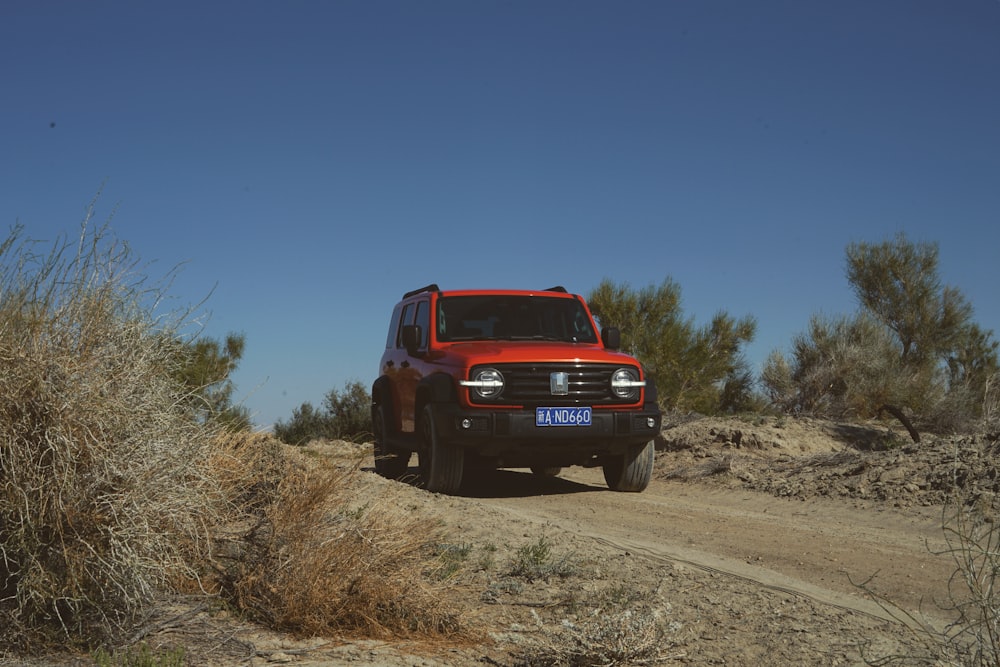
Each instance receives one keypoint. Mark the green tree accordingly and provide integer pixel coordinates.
(695, 368)
(204, 368)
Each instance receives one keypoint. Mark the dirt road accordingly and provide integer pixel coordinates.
(821, 549)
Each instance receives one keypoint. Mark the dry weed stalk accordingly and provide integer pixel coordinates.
(973, 541)
(101, 495)
(972, 638)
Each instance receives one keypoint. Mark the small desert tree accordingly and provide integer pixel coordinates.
(898, 283)
(695, 368)
(912, 348)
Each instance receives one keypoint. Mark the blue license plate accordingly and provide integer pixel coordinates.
(563, 416)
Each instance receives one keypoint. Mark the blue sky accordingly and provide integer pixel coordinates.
(308, 162)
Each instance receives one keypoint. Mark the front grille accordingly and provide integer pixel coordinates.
(529, 385)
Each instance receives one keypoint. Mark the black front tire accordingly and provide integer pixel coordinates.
(389, 462)
(441, 464)
(632, 470)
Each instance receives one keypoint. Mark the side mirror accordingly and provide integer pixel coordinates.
(411, 339)
(611, 337)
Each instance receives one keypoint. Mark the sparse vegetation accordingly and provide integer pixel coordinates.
(452, 557)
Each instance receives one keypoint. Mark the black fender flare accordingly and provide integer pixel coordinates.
(650, 394)
(436, 388)
(382, 397)
(380, 392)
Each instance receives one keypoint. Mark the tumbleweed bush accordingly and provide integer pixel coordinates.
(102, 496)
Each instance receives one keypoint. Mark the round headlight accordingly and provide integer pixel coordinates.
(486, 383)
(625, 383)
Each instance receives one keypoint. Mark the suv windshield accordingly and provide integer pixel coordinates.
(521, 317)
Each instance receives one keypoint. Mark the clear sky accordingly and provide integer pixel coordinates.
(312, 161)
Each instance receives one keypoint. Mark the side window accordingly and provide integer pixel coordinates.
(393, 335)
(405, 318)
(423, 320)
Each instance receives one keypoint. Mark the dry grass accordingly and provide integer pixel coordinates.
(112, 492)
(100, 502)
(310, 563)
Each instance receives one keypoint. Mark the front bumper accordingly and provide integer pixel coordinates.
(512, 434)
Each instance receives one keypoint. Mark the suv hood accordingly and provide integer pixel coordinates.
(500, 352)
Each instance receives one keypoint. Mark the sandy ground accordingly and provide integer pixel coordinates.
(750, 547)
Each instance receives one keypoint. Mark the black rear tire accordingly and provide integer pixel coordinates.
(632, 470)
(441, 463)
(389, 462)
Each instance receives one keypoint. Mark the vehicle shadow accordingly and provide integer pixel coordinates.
(507, 483)
(520, 483)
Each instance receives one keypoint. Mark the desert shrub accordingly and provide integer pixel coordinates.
(102, 499)
(537, 561)
(840, 367)
(307, 562)
(345, 415)
(616, 636)
(305, 425)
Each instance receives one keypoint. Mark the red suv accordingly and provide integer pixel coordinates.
(509, 379)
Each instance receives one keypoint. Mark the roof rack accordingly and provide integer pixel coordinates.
(557, 288)
(426, 288)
